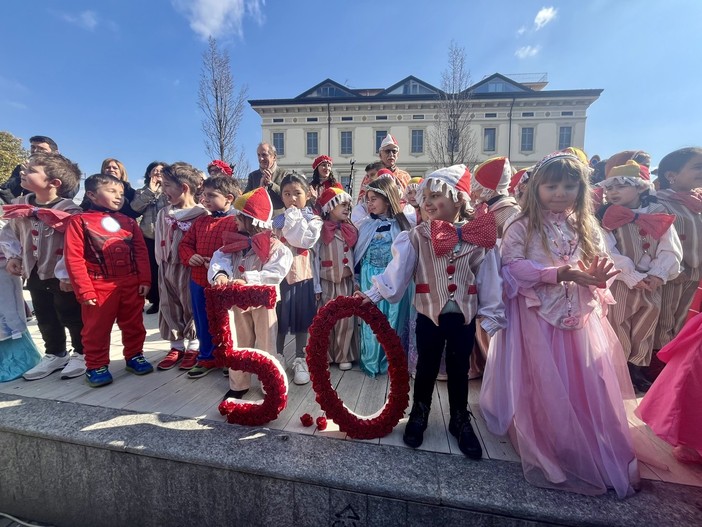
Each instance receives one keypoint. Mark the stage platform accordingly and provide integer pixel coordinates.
(154, 450)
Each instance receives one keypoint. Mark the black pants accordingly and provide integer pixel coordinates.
(153, 296)
(56, 311)
(458, 339)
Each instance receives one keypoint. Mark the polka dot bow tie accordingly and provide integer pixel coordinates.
(482, 231)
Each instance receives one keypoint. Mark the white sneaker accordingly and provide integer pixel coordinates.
(48, 365)
(301, 373)
(75, 367)
(344, 366)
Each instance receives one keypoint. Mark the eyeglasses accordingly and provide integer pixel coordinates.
(390, 152)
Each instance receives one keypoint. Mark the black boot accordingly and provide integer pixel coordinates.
(461, 429)
(638, 379)
(235, 394)
(416, 425)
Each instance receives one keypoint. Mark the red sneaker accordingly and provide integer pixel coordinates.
(189, 360)
(174, 357)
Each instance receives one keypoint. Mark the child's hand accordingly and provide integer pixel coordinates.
(14, 266)
(238, 281)
(366, 300)
(144, 290)
(600, 269)
(221, 279)
(207, 262)
(196, 260)
(642, 285)
(653, 282)
(91, 302)
(65, 286)
(318, 297)
(567, 274)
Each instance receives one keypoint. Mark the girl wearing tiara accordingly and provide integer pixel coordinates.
(376, 232)
(456, 271)
(555, 377)
(333, 265)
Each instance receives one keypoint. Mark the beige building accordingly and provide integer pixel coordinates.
(521, 120)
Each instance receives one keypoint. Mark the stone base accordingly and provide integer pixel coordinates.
(73, 465)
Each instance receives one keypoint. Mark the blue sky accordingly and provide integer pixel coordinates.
(118, 78)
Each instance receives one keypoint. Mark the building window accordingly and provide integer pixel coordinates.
(489, 135)
(381, 117)
(567, 114)
(527, 144)
(346, 118)
(312, 119)
(279, 143)
(346, 143)
(417, 142)
(527, 114)
(565, 137)
(312, 143)
(418, 116)
(453, 140)
(279, 120)
(490, 115)
(379, 136)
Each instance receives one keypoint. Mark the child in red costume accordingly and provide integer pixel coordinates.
(108, 266)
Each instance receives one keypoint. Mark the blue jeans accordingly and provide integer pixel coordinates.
(197, 295)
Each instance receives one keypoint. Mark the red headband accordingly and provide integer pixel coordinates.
(224, 167)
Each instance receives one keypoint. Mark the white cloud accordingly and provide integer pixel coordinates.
(16, 105)
(521, 31)
(527, 51)
(544, 16)
(87, 19)
(219, 17)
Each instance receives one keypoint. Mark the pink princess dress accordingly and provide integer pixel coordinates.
(555, 378)
(673, 405)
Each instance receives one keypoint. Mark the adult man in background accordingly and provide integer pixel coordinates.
(268, 175)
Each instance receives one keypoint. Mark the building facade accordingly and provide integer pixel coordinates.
(522, 121)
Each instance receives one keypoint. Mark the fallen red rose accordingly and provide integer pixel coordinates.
(306, 420)
(321, 423)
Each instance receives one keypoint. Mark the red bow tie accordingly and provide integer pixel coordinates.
(481, 231)
(654, 224)
(692, 201)
(56, 219)
(348, 231)
(260, 243)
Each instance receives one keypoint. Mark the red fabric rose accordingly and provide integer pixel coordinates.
(306, 420)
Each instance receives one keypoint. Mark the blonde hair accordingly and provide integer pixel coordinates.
(386, 188)
(120, 166)
(584, 222)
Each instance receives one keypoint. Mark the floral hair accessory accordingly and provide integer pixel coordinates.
(224, 167)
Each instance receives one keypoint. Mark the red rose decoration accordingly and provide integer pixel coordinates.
(306, 420)
(321, 422)
(356, 426)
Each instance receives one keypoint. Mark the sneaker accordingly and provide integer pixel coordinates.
(138, 365)
(153, 309)
(75, 366)
(174, 357)
(189, 360)
(301, 374)
(199, 370)
(416, 425)
(461, 429)
(48, 365)
(98, 377)
(225, 372)
(345, 366)
(235, 394)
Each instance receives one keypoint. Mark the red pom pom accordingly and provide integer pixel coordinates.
(321, 422)
(306, 420)
(452, 287)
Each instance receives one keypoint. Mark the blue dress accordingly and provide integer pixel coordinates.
(374, 261)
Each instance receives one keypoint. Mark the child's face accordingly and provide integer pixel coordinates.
(559, 197)
(438, 206)
(108, 196)
(173, 191)
(377, 204)
(689, 177)
(34, 179)
(411, 196)
(341, 212)
(294, 195)
(241, 223)
(324, 169)
(215, 201)
(372, 175)
(625, 195)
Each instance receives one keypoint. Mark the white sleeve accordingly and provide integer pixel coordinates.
(489, 283)
(9, 243)
(298, 231)
(358, 212)
(393, 282)
(274, 270)
(666, 264)
(629, 275)
(316, 269)
(60, 270)
(220, 263)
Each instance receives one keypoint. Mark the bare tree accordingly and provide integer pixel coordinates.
(222, 106)
(452, 141)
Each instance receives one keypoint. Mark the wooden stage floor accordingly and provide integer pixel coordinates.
(172, 393)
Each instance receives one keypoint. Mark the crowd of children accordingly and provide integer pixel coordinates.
(558, 294)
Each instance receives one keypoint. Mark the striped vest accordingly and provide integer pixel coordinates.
(689, 227)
